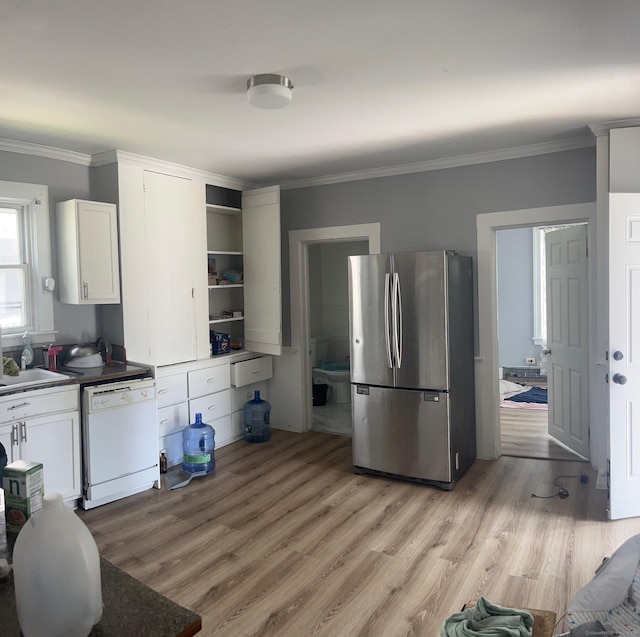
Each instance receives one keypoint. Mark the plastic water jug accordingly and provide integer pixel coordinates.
(256, 415)
(198, 444)
(56, 573)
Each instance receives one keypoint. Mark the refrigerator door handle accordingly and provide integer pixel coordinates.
(398, 319)
(387, 293)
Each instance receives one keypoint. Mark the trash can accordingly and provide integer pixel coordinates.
(320, 394)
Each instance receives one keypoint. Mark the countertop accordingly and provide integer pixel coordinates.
(130, 607)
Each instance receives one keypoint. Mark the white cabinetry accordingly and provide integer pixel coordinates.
(216, 388)
(44, 426)
(162, 239)
(87, 252)
(246, 240)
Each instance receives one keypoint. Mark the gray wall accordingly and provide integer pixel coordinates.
(515, 296)
(437, 209)
(65, 180)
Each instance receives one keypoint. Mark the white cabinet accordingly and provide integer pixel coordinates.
(44, 426)
(87, 252)
(244, 244)
(162, 240)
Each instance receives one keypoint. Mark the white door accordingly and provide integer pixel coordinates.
(262, 279)
(567, 337)
(624, 355)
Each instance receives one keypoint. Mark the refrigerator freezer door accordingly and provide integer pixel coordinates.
(424, 356)
(370, 319)
(402, 432)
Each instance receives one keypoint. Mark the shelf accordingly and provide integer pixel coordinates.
(223, 210)
(225, 320)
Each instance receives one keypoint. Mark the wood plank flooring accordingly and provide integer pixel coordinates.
(284, 539)
(524, 433)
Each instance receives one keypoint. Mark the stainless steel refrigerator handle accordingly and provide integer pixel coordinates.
(386, 317)
(398, 315)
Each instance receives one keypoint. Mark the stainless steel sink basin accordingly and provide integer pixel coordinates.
(29, 378)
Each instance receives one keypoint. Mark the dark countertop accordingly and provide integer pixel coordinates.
(130, 607)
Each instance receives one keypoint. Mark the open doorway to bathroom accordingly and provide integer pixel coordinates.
(329, 330)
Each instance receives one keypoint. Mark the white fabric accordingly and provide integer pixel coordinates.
(508, 389)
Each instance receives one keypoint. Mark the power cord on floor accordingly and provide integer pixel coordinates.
(562, 492)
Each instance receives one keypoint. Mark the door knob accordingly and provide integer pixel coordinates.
(618, 356)
(546, 351)
(620, 379)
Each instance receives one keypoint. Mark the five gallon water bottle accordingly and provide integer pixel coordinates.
(256, 419)
(198, 444)
(56, 569)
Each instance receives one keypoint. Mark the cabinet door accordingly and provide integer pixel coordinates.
(88, 252)
(176, 278)
(55, 442)
(9, 440)
(262, 278)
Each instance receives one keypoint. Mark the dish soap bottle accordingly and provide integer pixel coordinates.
(27, 350)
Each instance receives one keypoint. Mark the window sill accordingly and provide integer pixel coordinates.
(10, 341)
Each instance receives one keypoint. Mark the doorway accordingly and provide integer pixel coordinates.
(300, 242)
(329, 329)
(487, 378)
(525, 409)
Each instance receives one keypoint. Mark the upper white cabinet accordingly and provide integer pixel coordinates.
(87, 252)
(243, 254)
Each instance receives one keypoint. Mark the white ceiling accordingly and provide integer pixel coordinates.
(378, 83)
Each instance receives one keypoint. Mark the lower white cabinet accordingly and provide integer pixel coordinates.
(44, 426)
(215, 388)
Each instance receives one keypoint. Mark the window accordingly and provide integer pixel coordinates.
(25, 262)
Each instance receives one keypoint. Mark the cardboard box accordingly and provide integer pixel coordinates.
(220, 343)
(23, 484)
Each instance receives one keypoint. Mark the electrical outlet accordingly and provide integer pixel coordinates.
(530, 361)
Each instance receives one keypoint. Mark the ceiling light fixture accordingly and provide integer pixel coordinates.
(269, 90)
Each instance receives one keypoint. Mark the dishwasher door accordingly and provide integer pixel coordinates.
(120, 440)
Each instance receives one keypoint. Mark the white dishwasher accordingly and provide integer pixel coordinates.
(119, 440)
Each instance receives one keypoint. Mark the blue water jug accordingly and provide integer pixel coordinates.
(198, 444)
(256, 414)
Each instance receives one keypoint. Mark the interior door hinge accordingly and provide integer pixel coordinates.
(606, 378)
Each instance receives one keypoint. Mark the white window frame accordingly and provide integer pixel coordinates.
(34, 199)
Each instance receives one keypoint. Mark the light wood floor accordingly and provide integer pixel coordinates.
(524, 433)
(284, 539)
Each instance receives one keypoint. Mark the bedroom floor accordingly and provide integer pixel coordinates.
(524, 435)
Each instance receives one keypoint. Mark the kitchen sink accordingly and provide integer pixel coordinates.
(29, 378)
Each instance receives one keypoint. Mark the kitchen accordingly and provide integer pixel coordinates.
(431, 205)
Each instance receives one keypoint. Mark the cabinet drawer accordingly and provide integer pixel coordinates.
(39, 402)
(209, 380)
(211, 407)
(173, 418)
(240, 395)
(171, 389)
(251, 371)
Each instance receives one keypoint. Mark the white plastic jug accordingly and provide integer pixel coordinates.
(57, 573)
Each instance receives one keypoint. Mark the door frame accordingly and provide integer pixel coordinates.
(487, 387)
(299, 241)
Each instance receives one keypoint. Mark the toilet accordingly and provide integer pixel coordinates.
(335, 374)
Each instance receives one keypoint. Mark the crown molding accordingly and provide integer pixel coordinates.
(516, 152)
(603, 128)
(178, 170)
(49, 152)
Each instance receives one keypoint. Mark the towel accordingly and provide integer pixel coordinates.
(486, 619)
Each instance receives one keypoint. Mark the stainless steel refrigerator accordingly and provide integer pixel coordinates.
(412, 365)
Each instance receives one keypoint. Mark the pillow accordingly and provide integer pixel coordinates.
(508, 389)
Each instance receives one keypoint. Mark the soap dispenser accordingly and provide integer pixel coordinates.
(26, 358)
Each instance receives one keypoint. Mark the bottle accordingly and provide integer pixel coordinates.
(56, 569)
(256, 414)
(198, 445)
(163, 462)
(27, 350)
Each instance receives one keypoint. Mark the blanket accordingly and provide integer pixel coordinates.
(534, 395)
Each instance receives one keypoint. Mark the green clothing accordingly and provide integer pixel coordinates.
(486, 619)
(9, 366)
